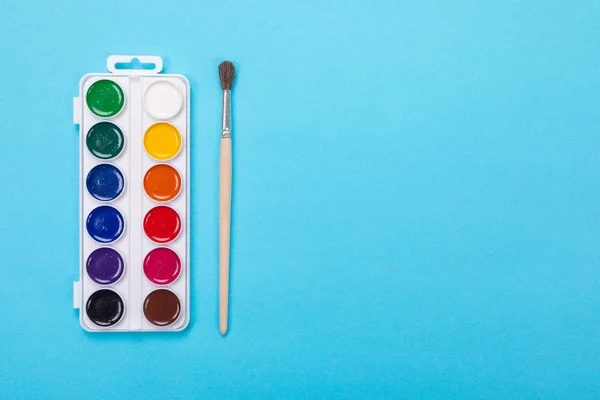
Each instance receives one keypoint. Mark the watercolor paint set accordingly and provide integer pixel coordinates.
(134, 266)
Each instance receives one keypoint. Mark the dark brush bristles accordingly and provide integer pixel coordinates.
(226, 73)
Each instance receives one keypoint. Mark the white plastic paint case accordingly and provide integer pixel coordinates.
(133, 203)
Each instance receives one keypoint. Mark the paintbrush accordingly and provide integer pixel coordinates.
(226, 74)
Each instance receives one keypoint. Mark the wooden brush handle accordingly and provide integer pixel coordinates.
(224, 231)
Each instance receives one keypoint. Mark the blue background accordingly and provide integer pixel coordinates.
(416, 200)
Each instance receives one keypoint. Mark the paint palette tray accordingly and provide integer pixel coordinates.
(134, 198)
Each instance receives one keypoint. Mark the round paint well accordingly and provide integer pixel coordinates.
(162, 182)
(105, 98)
(105, 182)
(105, 307)
(162, 266)
(162, 224)
(105, 140)
(105, 266)
(162, 141)
(105, 224)
(163, 100)
(162, 307)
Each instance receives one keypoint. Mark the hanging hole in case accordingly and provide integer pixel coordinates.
(135, 65)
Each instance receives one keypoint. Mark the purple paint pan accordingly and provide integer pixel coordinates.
(105, 266)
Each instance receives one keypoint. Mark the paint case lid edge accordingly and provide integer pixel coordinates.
(77, 110)
(76, 294)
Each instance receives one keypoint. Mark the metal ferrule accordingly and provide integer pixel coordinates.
(226, 132)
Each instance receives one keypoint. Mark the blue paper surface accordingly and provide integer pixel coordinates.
(416, 207)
